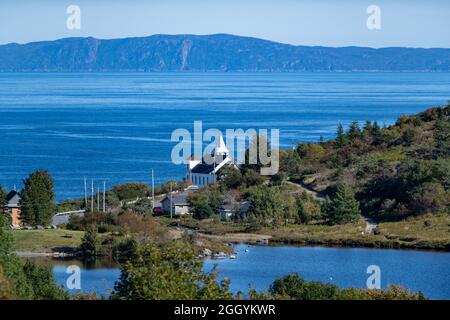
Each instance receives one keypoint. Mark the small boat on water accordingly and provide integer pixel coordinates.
(233, 256)
(246, 250)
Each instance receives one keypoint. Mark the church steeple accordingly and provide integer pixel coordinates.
(221, 149)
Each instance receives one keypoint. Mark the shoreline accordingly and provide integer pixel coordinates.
(258, 239)
(31, 254)
(255, 240)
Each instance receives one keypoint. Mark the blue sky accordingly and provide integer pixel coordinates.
(411, 23)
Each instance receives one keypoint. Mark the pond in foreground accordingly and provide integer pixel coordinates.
(426, 271)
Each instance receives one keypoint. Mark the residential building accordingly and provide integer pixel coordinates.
(13, 207)
(180, 204)
(231, 210)
(202, 173)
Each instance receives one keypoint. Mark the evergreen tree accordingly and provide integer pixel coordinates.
(340, 136)
(89, 245)
(3, 202)
(37, 199)
(343, 206)
(354, 131)
(376, 130)
(442, 135)
(368, 127)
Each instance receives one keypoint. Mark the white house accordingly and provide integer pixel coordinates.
(179, 202)
(200, 173)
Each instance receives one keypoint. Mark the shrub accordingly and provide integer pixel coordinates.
(308, 209)
(267, 203)
(131, 191)
(169, 272)
(200, 207)
(295, 287)
(429, 197)
(252, 178)
(231, 177)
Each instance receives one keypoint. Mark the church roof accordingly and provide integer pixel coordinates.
(203, 168)
(221, 148)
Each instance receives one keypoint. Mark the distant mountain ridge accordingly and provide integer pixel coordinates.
(219, 52)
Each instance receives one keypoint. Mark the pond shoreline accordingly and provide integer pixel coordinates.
(253, 238)
(31, 254)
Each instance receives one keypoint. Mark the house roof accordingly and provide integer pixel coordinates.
(234, 206)
(245, 206)
(13, 199)
(178, 199)
(231, 206)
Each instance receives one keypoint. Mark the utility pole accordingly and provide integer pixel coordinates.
(92, 195)
(171, 200)
(153, 190)
(85, 194)
(214, 172)
(98, 198)
(104, 196)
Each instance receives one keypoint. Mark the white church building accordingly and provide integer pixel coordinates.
(200, 173)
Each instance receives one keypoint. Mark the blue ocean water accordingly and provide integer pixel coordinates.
(117, 127)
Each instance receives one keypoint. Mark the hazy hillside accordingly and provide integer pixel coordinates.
(219, 52)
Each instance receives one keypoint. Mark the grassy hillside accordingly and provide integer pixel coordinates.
(397, 171)
(370, 186)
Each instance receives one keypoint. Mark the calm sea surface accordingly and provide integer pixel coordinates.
(117, 127)
(426, 271)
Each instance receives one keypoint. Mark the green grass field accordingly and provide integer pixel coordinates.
(46, 240)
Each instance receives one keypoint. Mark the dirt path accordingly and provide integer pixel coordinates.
(303, 187)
